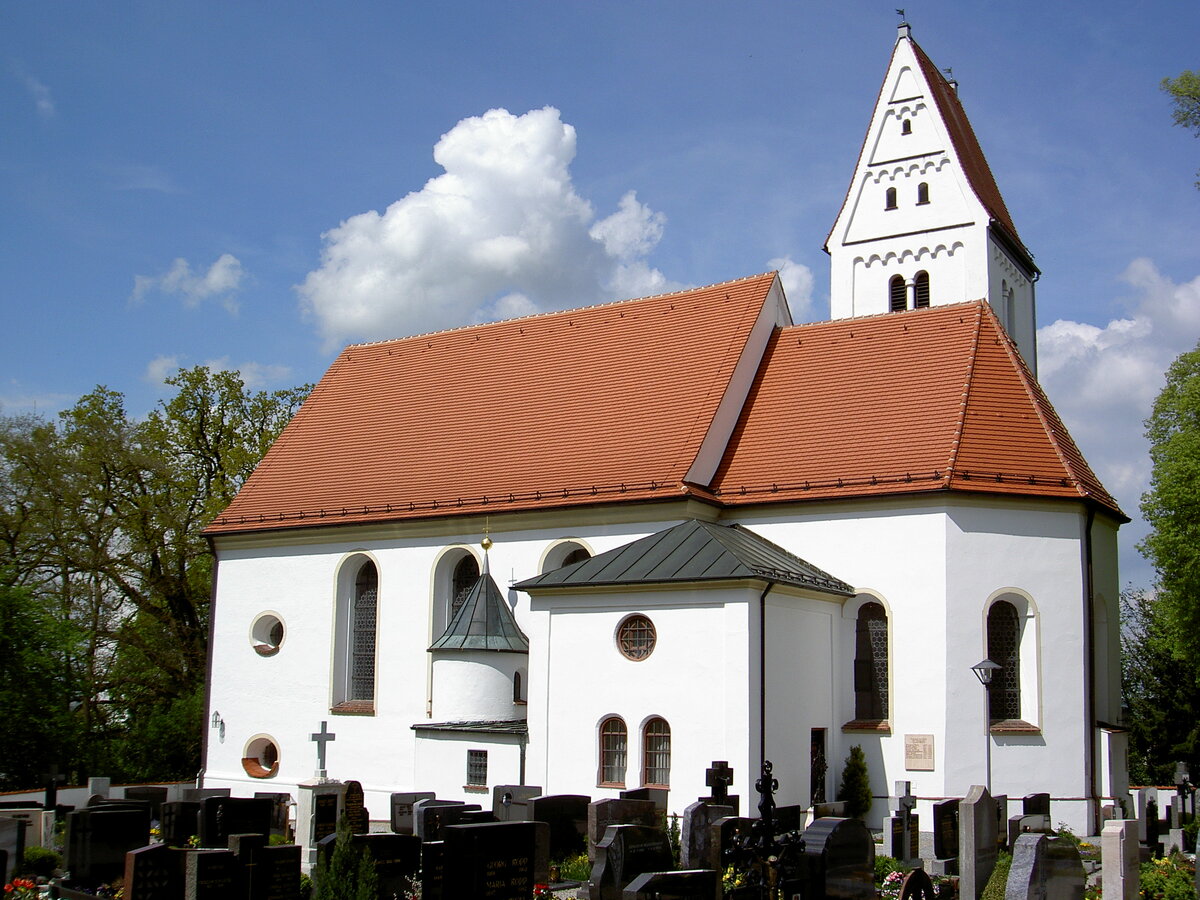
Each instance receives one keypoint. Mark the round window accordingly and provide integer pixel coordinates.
(261, 757)
(636, 637)
(266, 634)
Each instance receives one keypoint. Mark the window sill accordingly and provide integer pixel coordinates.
(1013, 726)
(265, 650)
(255, 769)
(475, 788)
(353, 708)
(922, 203)
(868, 726)
(611, 784)
(520, 702)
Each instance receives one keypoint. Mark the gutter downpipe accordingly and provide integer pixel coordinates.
(1089, 599)
(212, 606)
(762, 674)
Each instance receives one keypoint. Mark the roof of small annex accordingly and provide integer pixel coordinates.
(602, 403)
(483, 622)
(692, 551)
(932, 399)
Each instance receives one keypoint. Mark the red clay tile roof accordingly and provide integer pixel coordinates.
(966, 146)
(928, 400)
(590, 405)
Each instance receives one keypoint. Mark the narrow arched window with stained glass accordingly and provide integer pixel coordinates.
(366, 600)
(871, 663)
(1004, 647)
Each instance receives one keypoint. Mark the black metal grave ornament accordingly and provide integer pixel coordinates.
(768, 860)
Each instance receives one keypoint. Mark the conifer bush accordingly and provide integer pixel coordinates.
(855, 789)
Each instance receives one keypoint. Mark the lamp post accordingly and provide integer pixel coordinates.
(985, 671)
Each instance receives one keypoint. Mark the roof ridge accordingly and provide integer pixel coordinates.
(557, 312)
(960, 425)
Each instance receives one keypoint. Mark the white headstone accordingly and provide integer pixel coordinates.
(977, 848)
(1119, 860)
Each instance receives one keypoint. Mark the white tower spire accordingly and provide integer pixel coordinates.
(923, 223)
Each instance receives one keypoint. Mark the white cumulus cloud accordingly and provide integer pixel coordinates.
(43, 100)
(1103, 380)
(501, 232)
(797, 280)
(221, 280)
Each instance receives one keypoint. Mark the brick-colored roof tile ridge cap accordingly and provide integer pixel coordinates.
(968, 380)
(545, 314)
(1086, 481)
(941, 309)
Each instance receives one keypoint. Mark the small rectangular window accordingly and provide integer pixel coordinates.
(477, 767)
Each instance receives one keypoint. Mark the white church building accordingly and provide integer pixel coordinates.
(596, 550)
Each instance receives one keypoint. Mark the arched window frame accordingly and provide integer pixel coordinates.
(921, 290)
(442, 593)
(1025, 697)
(656, 753)
(872, 663)
(897, 294)
(356, 629)
(889, 198)
(922, 193)
(906, 126)
(462, 578)
(613, 747)
(558, 554)
(1004, 648)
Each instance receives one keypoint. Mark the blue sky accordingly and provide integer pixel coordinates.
(185, 182)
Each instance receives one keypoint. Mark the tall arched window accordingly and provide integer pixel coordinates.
(897, 294)
(889, 201)
(921, 290)
(922, 193)
(579, 554)
(1004, 647)
(613, 751)
(466, 573)
(871, 663)
(656, 753)
(906, 126)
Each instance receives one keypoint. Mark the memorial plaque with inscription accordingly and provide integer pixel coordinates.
(325, 815)
(154, 873)
(356, 812)
(496, 860)
(918, 752)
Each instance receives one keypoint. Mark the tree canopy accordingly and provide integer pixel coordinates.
(100, 528)
(1184, 91)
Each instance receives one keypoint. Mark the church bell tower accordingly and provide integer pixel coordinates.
(923, 223)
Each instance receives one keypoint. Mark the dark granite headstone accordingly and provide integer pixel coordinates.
(510, 802)
(266, 872)
(433, 870)
(657, 796)
(210, 875)
(397, 857)
(197, 795)
(356, 813)
(722, 835)
(917, 885)
(696, 833)
(221, 817)
(686, 884)
(1035, 824)
(402, 810)
(154, 873)
(1001, 820)
(431, 819)
(246, 848)
(325, 815)
(625, 852)
(1045, 868)
(155, 796)
(602, 813)
(945, 829)
(835, 809)
(97, 840)
(567, 816)
(841, 860)
(423, 819)
(788, 818)
(1035, 804)
(180, 820)
(496, 860)
(12, 842)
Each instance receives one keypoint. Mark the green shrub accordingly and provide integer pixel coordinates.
(349, 873)
(575, 868)
(994, 889)
(856, 784)
(885, 866)
(40, 861)
(1170, 878)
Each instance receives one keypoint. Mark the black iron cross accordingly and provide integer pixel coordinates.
(322, 738)
(719, 778)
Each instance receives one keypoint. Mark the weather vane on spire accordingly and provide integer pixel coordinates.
(900, 13)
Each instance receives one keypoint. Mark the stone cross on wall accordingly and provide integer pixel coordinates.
(322, 738)
(51, 780)
(719, 778)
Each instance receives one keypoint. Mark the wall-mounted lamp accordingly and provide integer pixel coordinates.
(219, 724)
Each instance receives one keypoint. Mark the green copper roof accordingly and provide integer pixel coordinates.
(483, 622)
(689, 552)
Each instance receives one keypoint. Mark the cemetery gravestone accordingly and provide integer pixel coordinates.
(917, 885)
(1036, 805)
(496, 860)
(421, 814)
(99, 785)
(1018, 825)
(510, 802)
(722, 835)
(788, 818)
(1001, 821)
(719, 778)
(433, 870)
(266, 872)
(977, 850)
(834, 810)
(945, 829)
(210, 875)
(154, 873)
(402, 810)
(567, 816)
(221, 817)
(625, 852)
(396, 858)
(841, 860)
(357, 817)
(657, 796)
(280, 805)
(97, 840)
(695, 847)
(325, 815)
(1119, 860)
(433, 816)
(1143, 798)
(603, 813)
(696, 884)
(1045, 868)
(12, 843)
(155, 796)
(198, 795)
(180, 820)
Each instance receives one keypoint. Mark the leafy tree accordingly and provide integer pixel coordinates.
(100, 519)
(1184, 91)
(855, 788)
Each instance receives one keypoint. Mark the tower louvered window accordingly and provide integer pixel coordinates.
(921, 290)
(1004, 647)
(889, 198)
(871, 663)
(897, 294)
(362, 666)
